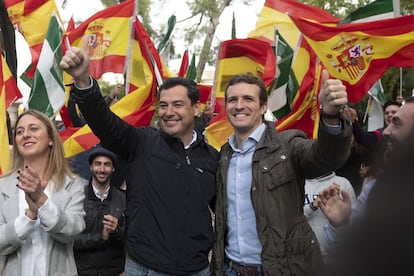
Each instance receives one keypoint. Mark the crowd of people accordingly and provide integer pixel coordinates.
(268, 203)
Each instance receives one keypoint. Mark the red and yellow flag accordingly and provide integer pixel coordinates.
(109, 32)
(31, 19)
(275, 15)
(360, 53)
(237, 56)
(8, 94)
(138, 107)
(304, 81)
(305, 106)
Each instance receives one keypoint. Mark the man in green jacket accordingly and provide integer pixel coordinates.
(259, 222)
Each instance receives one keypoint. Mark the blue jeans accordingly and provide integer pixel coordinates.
(228, 271)
(133, 268)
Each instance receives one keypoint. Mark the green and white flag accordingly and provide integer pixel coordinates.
(282, 90)
(379, 9)
(48, 93)
(192, 71)
(165, 44)
(375, 107)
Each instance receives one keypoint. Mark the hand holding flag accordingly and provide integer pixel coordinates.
(332, 96)
(76, 63)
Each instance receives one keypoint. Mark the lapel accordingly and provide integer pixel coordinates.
(11, 194)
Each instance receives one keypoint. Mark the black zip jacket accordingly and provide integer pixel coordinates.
(93, 255)
(169, 189)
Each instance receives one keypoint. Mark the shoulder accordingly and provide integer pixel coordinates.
(8, 183)
(292, 134)
(75, 182)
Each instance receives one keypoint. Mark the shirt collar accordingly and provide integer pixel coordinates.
(98, 194)
(192, 140)
(255, 135)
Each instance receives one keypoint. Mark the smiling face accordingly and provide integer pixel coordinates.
(401, 126)
(101, 170)
(176, 113)
(389, 112)
(243, 108)
(31, 138)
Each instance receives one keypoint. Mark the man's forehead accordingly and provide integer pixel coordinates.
(406, 112)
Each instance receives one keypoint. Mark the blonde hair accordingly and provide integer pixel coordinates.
(58, 166)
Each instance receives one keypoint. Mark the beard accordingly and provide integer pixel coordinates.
(101, 181)
(398, 150)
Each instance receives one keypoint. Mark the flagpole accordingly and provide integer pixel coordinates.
(397, 12)
(128, 62)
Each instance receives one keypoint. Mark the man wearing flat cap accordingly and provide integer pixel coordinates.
(100, 249)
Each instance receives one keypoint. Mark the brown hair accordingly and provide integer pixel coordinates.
(58, 166)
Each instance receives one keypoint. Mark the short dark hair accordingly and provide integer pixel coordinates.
(409, 99)
(193, 92)
(391, 102)
(250, 79)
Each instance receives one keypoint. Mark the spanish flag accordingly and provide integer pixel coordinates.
(275, 15)
(237, 56)
(109, 32)
(360, 53)
(138, 107)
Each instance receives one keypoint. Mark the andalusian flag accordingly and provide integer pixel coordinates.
(109, 32)
(375, 107)
(360, 53)
(8, 94)
(138, 107)
(377, 10)
(28, 17)
(284, 87)
(165, 44)
(48, 93)
(237, 56)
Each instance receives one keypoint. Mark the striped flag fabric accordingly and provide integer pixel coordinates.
(28, 17)
(192, 71)
(184, 64)
(284, 86)
(360, 53)
(9, 92)
(303, 75)
(377, 10)
(237, 56)
(165, 44)
(48, 93)
(375, 105)
(109, 32)
(275, 14)
(305, 105)
(138, 106)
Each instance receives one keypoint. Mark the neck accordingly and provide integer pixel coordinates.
(39, 165)
(101, 188)
(187, 139)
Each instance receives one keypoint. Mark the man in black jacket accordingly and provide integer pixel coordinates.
(100, 249)
(171, 177)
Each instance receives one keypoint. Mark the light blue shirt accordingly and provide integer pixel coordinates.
(243, 244)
